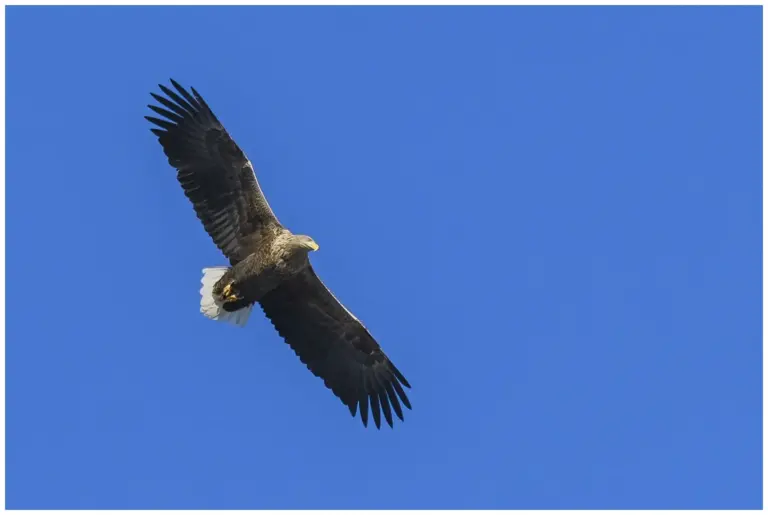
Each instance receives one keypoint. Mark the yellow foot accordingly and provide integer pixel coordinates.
(228, 294)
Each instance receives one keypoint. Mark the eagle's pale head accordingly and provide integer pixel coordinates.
(305, 242)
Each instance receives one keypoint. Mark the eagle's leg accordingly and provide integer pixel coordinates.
(221, 298)
(228, 294)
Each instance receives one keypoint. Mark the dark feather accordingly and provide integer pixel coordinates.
(375, 409)
(384, 401)
(214, 172)
(170, 105)
(195, 105)
(401, 394)
(364, 409)
(161, 123)
(335, 346)
(164, 112)
(180, 101)
(399, 376)
(394, 402)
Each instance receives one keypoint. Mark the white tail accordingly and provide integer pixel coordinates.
(212, 308)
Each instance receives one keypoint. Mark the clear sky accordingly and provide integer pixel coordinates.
(550, 218)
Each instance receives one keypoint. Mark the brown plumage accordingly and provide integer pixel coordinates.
(269, 264)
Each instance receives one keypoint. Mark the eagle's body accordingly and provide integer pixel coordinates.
(279, 257)
(269, 265)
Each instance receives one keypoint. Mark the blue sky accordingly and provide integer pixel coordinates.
(550, 218)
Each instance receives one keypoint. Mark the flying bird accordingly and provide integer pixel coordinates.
(268, 264)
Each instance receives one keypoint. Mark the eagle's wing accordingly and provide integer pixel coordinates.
(336, 347)
(214, 172)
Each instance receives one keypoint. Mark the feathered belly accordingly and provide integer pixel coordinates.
(251, 282)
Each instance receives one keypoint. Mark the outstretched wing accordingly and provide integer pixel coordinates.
(336, 347)
(214, 172)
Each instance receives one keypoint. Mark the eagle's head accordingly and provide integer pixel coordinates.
(304, 242)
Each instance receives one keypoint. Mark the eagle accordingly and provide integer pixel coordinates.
(268, 264)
